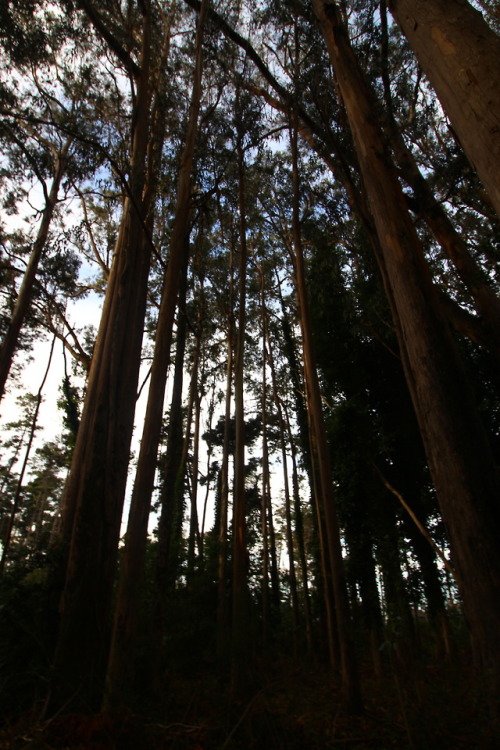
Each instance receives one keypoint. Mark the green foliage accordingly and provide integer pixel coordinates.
(26, 637)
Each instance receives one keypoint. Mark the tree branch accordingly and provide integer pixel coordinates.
(108, 37)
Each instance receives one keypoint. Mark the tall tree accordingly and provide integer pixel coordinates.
(118, 676)
(325, 496)
(459, 53)
(240, 605)
(95, 489)
(459, 454)
(24, 296)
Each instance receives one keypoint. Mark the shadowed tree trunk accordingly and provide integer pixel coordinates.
(94, 492)
(425, 204)
(299, 532)
(240, 622)
(222, 603)
(21, 307)
(459, 54)
(194, 407)
(457, 448)
(268, 355)
(170, 502)
(125, 625)
(350, 679)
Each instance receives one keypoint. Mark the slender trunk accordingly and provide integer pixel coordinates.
(170, 503)
(398, 606)
(273, 554)
(94, 492)
(222, 604)
(299, 532)
(6, 538)
(25, 295)
(362, 563)
(194, 528)
(289, 542)
(459, 455)
(125, 624)
(211, 409)
(266, 518)
(240, 656)
(305, 445)
(459, 54)
(286, 483)
(265, 569)
(350, 678)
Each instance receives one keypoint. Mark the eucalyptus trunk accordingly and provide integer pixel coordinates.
(286, 483)
(170, 500)
(95, 489)
(25, 294)
(299, 533)
(132, 571)
(194, 406)
(222, 599)
(452, 243)
(459, 54)
(240, 624)
(459, 455)
(349, 671)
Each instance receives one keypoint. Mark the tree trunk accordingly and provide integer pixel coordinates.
(95, 488)
(7, 536)
(486, 301)
(299, 532)
(263, 511)
(170, 503)
(459, 455)
(459, 54)
(240, 624)
(350, 679)
(286, 483)
(194, 404)
(222, 603)
(125, 624)
(24, 297)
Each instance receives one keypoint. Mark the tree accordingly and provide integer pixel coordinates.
(23, 300)
(325, 497)
(240, 661)
(458, 451)
(94, 492)
(118, 678)
(459, 53)
(332, 260)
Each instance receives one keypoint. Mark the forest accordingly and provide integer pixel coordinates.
(269, 514)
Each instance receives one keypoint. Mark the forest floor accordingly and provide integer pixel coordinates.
(295, 708)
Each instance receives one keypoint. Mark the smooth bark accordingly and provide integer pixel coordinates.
(286, 483)
(222, 603)
(459, 455)
(350, 678)
(459, 54)
(95, 489)
(25, 294)
(125, 624)
(239, 651)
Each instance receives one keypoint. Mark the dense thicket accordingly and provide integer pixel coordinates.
(287, 214)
